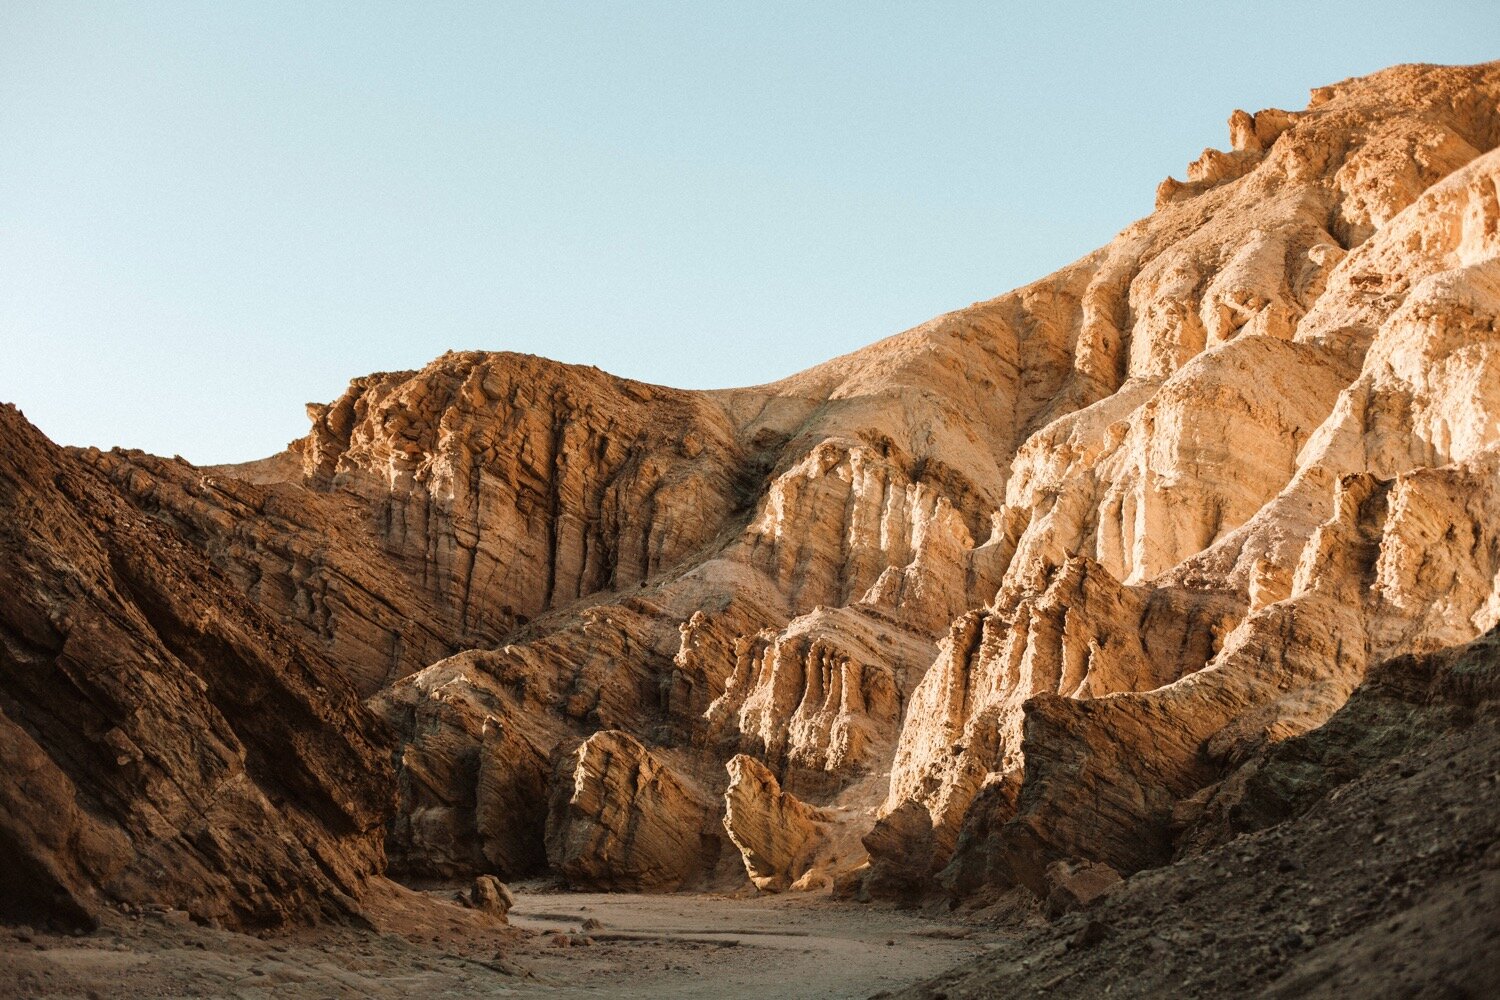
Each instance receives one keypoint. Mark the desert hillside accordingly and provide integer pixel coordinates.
(1075, 584)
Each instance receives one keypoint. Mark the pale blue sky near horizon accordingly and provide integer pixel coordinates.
(211, 214)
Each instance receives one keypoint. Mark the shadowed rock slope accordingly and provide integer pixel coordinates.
(1019, 591)
(162, 739)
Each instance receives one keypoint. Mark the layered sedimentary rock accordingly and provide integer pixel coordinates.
(621, 818)
(778, 836)
(473, 774)
(1356, 859)
(824, 694)
(163, 739)
(1018, 591)
(1404, 706)
(308, 559)
(1084, 636)
(515, 485)
(1289, 503)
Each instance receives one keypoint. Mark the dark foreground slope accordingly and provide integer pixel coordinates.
(162, 738)
(1372, 867)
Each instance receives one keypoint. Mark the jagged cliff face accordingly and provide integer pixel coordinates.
(1025, 584)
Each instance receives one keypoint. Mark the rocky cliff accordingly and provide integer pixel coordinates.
(163, 738)
(1023, 587)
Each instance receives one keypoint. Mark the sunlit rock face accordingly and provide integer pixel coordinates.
(1006, 594)
(620, 818)
(782, 840)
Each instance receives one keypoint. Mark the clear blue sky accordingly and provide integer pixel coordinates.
(211, 213)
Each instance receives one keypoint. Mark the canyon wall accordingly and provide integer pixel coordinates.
(1025, 585)
(163, 739)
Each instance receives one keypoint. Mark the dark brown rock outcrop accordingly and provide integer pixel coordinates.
(164, 739)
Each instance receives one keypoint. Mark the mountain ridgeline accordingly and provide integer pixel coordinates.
(1047, 592)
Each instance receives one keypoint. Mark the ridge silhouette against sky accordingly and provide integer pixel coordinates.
(210, 214)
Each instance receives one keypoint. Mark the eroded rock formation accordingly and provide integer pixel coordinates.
(620, 818)
(779, 836)
(1022, 590)
(163, 739)
(1363, 861)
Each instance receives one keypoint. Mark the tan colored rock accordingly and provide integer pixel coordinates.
(1394, 791)
(490, 895)
(621, 819)
(965, 721)
(824, 694)
(1140, 759)
(1215, 166)
(778, 836)
(474, 767)
(581, 485)
(1010, 588)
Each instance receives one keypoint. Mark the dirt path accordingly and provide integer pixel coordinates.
(641, 946)
(712, 946)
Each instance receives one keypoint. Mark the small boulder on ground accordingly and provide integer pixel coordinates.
(489, 895)
(1077, 885)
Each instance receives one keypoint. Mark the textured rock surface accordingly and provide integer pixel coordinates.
(1405, 705)
(1059, 560)
(778, 836)
(1033, 583)
(489, 895)
(584, 483)
(162, 739)
(622, 819)
(474, 770)
(1368, 867)
(312, 560)
(1077, 886)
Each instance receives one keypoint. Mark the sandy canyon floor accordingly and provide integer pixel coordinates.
(679, 945)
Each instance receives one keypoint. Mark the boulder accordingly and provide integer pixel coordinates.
(490, 895)
(1077, 885)
(619, 818)
(778, 836)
